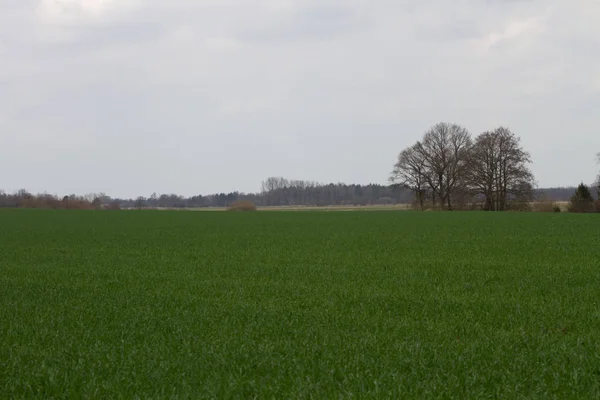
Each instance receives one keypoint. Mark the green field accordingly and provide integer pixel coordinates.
(299, 305)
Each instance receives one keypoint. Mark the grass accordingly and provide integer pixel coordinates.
(299, 305)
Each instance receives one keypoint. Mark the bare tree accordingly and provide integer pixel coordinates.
(153, 200)
(445, 149)
(456, 175)
(498, 169)
(409, 172)
(483, 164)
(140, 203)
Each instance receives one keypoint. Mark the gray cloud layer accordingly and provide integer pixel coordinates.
(131, 97)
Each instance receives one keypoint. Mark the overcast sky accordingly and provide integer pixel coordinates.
(131, 97)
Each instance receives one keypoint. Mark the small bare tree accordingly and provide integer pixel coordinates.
(140, 203)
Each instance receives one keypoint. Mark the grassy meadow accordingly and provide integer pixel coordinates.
(387, 304)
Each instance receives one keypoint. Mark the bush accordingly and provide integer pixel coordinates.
(557, 209)
(544, 206)
(243, 205)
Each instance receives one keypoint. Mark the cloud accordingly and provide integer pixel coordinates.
(519, 31)
(199, 96)
(79, 11)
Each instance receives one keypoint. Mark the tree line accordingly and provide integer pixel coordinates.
(284, 193)
(276, 191)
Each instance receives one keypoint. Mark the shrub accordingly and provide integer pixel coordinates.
(544, 206)
(557, 209)
(242, 205)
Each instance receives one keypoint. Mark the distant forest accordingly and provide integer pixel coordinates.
(275, 192)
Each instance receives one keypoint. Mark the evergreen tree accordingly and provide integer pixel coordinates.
(582, 200)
